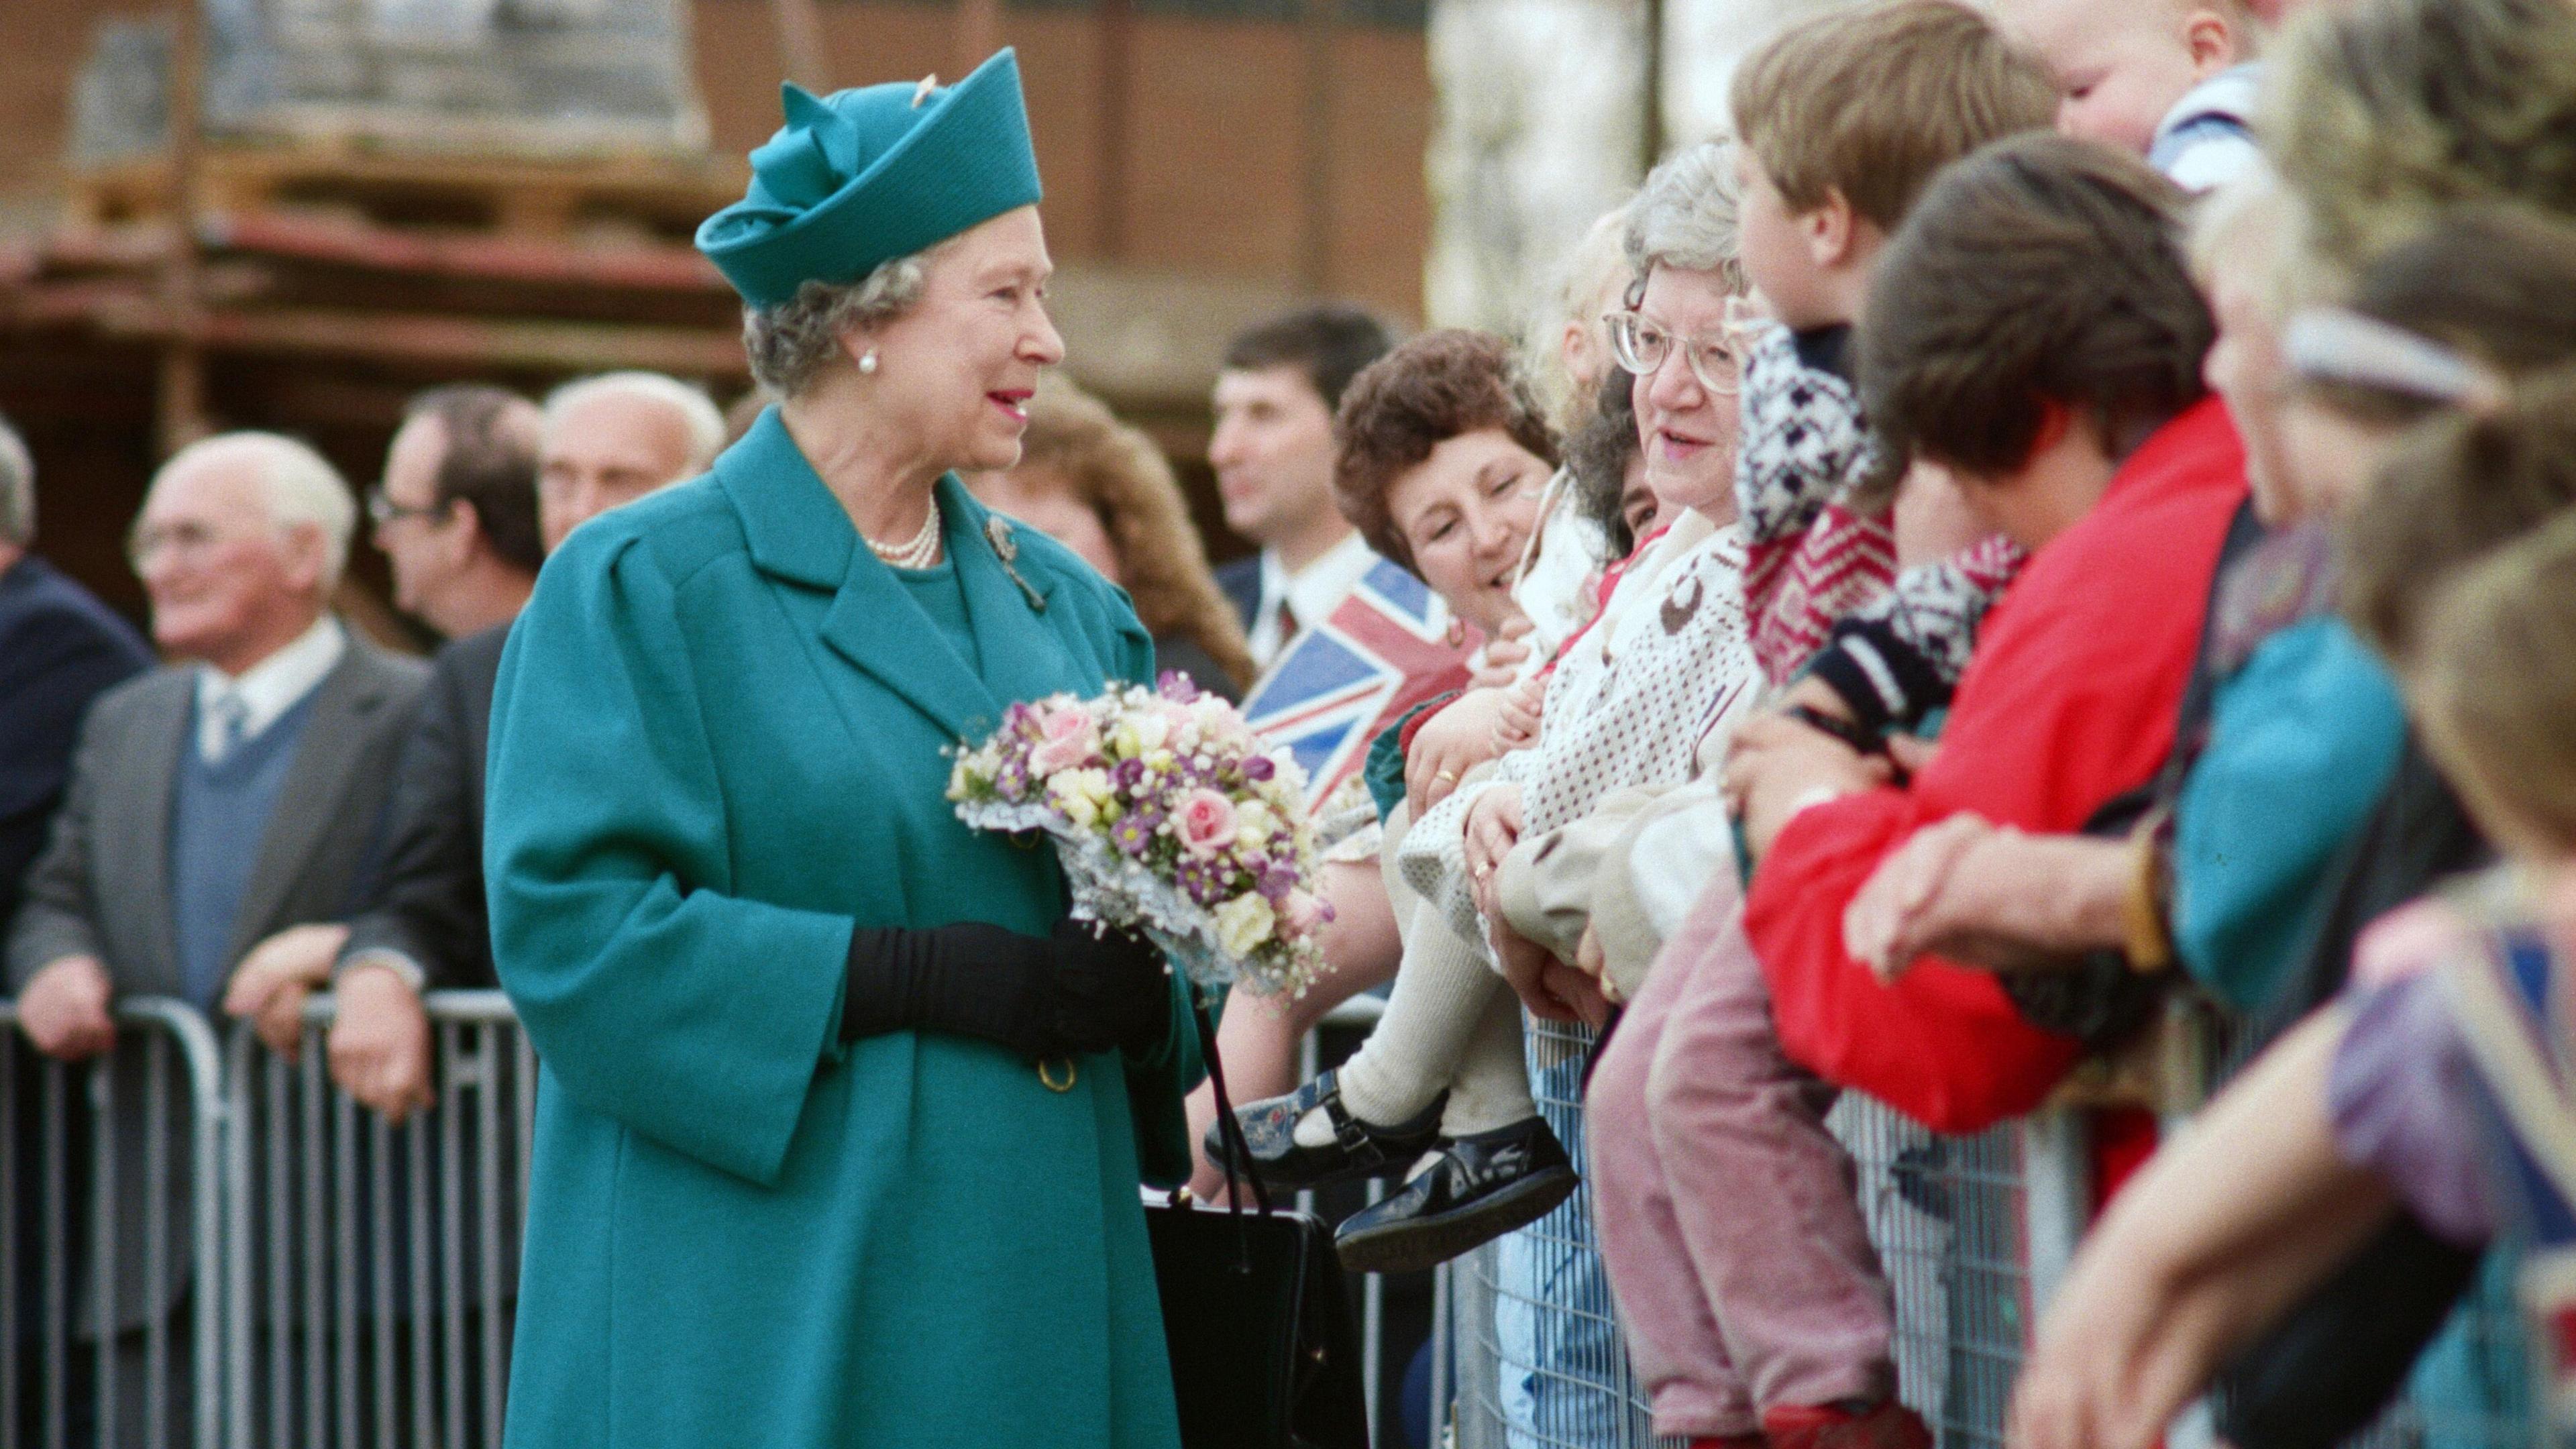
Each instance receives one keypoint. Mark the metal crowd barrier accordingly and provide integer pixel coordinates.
(109, 1171)
(371, 1269)
(1974, 1232)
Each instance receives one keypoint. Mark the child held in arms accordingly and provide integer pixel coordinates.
(2171, 80)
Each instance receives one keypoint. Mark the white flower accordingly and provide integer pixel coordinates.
(1244, 924)
(1080, 794)
(1253, 824)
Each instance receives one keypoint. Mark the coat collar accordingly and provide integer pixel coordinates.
(798, 532)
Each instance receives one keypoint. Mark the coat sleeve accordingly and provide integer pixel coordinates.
(54, 912)
(429, 907)
(2303, 741)
(653, 995)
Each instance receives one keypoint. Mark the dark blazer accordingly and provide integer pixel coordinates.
(102, 886)
(60, 648)
(429, 905)
(1241, 580)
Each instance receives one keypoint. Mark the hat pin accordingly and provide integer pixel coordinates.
(922, 91)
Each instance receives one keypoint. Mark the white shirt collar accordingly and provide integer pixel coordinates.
(1313, 592)
(269, 688)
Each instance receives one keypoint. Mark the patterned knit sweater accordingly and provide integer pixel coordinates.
(1821, 589)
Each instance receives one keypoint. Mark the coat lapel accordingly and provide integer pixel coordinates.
(1024, 658)
(316, 788)
(798, 532)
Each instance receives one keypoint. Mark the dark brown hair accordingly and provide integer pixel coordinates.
(1872, 101)
(1329, 342)
(2453, 491)
(490, 436)
(1598, 456)
(1439, 386)
(1118, 473)
(2040, 270)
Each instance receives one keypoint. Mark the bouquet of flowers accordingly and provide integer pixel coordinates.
(1170, 819)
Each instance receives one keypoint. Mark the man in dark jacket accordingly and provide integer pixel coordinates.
(478, 485)
(60, 648)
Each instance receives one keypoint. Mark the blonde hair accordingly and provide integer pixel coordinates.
(2385, 113)
(1118, 473)
(2494, 690)
(1595, 264)
(1870, 101)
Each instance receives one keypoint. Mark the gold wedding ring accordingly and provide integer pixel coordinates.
(1447, 777)
(1050, 1083)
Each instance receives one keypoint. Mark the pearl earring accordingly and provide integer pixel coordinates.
(868, 362)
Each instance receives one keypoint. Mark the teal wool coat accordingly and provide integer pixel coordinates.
(715, 750)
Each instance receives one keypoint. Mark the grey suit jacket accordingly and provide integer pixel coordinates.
(102, 885)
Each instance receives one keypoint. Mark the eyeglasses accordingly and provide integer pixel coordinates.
(1642, 346)
(382, 510)
(185, 542)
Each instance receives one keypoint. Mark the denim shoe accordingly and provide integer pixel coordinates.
(1478, 1188)
(1358, 1149)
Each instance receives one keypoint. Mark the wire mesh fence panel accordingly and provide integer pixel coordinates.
(1539, 1355)
(109, 1235)
(373, 1266)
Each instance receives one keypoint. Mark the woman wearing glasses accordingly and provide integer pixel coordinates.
(1483, 887)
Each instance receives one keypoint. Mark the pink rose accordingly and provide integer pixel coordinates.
(1304, 913)
(1205, 820)
(1067, 740)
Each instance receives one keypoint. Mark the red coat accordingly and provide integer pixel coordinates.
(2068, 703)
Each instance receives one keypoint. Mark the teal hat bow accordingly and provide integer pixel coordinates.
(860, 177)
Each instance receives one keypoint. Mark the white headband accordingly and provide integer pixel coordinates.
(2335, 344)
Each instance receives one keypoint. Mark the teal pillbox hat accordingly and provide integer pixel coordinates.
(864, 176)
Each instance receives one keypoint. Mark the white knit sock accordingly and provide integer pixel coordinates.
(1440, 991)
(1490, 1087)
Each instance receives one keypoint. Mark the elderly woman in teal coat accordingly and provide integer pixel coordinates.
(842, 1122)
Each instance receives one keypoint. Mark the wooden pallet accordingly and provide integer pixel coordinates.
(635, 197)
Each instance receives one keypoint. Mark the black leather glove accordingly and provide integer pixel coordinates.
(1069, 993)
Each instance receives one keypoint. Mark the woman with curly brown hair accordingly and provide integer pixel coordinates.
(1102, 489)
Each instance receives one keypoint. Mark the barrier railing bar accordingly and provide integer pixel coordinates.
(451, 1240)
(424, 1430)
(102, 1194)
(156, 1237)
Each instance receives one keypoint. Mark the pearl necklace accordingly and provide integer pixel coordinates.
(919, 553)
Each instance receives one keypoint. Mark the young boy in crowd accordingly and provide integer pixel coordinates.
(2034, 330)
(1843, 121)
(2171, 80)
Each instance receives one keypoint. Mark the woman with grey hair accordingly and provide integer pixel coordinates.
(1484, 871)
(843, 1118)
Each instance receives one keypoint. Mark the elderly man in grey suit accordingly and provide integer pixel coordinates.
(218, 802)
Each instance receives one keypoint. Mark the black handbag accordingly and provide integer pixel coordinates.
(1265, 1354)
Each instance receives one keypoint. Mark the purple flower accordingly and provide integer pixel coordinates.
(1177, 687)
(1127, 774)
(1012, 780)
(1258, 767)
(1277, 882)
(1134, 832)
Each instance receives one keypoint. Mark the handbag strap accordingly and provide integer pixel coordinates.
(1229, 1131)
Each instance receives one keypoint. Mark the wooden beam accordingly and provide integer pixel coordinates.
(180, 398)
(979, 33)
(428, 340)
(801, 56)
(1117, 79)
(1315, 237)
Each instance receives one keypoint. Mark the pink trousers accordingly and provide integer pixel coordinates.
(1728, 1214)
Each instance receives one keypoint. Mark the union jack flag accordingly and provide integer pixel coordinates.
(1383, 650)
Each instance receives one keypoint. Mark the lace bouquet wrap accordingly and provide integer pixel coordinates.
(1170, 819)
